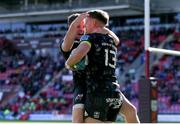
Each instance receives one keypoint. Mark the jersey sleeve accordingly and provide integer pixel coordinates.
(86, 39)
(65, 54)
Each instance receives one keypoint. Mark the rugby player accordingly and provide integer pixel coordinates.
(103, 101)
(70, 42)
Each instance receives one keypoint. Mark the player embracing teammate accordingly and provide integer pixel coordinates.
(95, 56)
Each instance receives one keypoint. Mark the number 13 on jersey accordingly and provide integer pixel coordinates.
(110, 58)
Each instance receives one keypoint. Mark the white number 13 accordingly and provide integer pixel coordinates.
(107, 63)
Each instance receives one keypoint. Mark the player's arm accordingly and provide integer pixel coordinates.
(116, 39)
(72, 32)
(80, 52)
(107, 31)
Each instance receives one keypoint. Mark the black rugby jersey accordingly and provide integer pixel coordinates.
(101, 62)
(67, 54)
(78, 76)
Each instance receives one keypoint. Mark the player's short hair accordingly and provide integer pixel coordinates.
(72, 17)
(99, 15)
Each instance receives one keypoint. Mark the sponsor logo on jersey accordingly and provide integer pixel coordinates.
(79, 97)
(84, 37)
(96, 114)
(114, 102)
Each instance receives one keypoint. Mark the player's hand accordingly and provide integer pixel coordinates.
(69, 67)
(80, 18)
(78, 66)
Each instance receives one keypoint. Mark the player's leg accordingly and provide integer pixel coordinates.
(78, 113)
(78, 107)
(129, 111)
